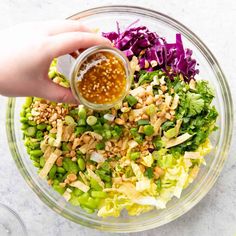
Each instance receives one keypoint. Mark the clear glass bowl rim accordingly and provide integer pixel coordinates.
(213, 173)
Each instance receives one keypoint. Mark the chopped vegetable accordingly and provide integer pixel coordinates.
(49, 163)
(97, 157)
(78, 184)
(176, 141)
(137, 155)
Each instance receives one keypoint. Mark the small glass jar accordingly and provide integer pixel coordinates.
(80, 60)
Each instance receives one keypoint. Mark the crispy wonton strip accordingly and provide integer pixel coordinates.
(78, 184)
(49, 163)
(176, 141)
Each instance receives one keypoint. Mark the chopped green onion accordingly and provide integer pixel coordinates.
(131, 100)
(39, 134)
(82, 113)
(65, 147)
(151, 110)
(100, 146)
(79, 130)
(134, 155)
(149, 172)
(91, 120)
(69, 120)
(94, 185)
(32, 123)
(148, 130)
(81, 122)
(143, 122)
(158, 143)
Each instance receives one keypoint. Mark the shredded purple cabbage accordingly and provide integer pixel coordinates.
(148, 47)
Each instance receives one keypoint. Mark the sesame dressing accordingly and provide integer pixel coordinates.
(102, 78)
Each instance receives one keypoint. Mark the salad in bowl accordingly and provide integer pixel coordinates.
(141, 153)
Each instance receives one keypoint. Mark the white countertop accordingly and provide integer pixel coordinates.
(214, 22)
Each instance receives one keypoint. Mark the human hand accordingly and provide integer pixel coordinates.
(27, 50)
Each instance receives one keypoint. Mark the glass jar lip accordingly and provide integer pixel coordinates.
(79, 61)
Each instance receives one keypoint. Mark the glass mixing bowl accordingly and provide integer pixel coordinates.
(104, 18)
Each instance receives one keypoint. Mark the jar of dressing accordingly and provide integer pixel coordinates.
(100, 77)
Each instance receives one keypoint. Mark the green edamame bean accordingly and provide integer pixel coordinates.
(28, 102)
(33, 158)
(30, 131)
(28, 149)
(94, 185)
(88, 210)
(23, 120)
(58, 188)
(42, 161)
(91, 203)
(77, 192)
(81, 163)
(52, 172)
(70, 166)
(49, 127)
(61, 170)
(22, 113)
(41, 126)
(28, 115)
(98, 194)
(74, 200)
(27, 110)
(36, 164)
(24, 126)
(36, 153)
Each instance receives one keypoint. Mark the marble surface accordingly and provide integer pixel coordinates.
(214, 23)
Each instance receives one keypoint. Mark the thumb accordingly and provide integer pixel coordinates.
(56, 93)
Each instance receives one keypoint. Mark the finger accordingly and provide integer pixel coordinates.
(64, 26)
(56, 93)
(66, 43)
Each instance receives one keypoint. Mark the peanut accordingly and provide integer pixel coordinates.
(59, 161)
(86, 138)
(159, 171)
(119, 121)
(71, 177)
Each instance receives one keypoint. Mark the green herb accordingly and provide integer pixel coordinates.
(143, 122)
(131, 100)
(148, 130)
(149, 172)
